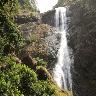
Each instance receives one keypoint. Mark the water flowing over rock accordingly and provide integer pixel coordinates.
(62, 74)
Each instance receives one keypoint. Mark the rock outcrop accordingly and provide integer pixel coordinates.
(43, 74)
(48, 17)
(42, 41)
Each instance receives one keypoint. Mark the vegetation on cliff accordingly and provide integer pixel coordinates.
(10, 37)
(19, 80)
(22, 77)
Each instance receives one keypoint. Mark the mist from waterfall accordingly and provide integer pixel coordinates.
(62, 74)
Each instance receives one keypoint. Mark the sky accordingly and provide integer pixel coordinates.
(45, 5)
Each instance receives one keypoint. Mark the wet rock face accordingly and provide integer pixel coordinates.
(52, 38)
(53, 42)
(82, 39)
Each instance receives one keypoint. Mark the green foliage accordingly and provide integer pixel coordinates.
(32, 14)
(41, 62)
(34, 38)
(16, 79)
(13, 36)
(42, 88)
(9, 33)
(27, 5)
(19, 80)
(2, 43)
(9, 7)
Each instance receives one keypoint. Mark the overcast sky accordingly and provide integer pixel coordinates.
(45, 5)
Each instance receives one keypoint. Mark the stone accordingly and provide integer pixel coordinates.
(43, 74)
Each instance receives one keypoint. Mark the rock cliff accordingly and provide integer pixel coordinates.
(81, 37)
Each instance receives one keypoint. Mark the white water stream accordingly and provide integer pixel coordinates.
(62, 74)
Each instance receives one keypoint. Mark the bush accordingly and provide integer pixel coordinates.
(43, 88)
(9, 32)
(16, 79)
(19, 80)
(2, 43)
(41, 62)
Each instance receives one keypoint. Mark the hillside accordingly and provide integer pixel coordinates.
(23, 51)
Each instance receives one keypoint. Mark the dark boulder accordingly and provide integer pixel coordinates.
(29, 61)
(43, 74)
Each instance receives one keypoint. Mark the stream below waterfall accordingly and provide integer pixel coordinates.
(62, 74)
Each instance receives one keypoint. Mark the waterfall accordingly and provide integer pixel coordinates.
(62, 74)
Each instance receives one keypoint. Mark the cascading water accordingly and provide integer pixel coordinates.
(62, 74)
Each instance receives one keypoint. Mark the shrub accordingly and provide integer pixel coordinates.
(41, 62)
(43, 88)
(2, 43)
(19, 80)
(15, 79)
